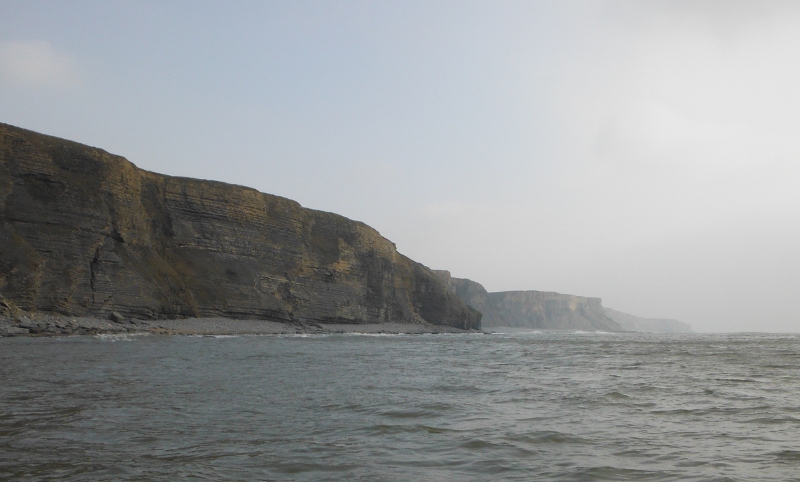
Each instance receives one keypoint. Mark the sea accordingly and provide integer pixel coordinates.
(525, 406)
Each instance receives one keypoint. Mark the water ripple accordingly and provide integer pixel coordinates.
(531, 406)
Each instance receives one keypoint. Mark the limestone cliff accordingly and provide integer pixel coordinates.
(84, 232)
(532, 309)
(653, 325)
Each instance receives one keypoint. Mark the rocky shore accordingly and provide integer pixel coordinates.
(43, 324)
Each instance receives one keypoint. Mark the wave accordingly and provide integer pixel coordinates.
(113, 337)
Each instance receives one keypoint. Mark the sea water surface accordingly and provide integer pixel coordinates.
(522, 406)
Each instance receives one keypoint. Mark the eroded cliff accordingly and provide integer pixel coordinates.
(532, 309)
(84, 232)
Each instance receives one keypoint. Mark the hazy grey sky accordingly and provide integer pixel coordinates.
(644, 152)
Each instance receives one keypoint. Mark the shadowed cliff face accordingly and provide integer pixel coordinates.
(86, 232)
(532, 309)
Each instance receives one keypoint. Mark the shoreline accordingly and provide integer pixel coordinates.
(48, 324)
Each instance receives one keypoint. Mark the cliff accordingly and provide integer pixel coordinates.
(85, 232)
(653, 325)
(532, 309)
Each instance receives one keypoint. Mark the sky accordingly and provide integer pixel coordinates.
(647, 153)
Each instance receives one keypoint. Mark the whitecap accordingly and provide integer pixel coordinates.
(119, 336)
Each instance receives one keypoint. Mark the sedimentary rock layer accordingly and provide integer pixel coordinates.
(85, 232)
(532, 309)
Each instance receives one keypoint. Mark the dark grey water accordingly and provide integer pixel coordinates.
(429, 407)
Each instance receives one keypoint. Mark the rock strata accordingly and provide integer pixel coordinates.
(532, 309)
(85, 233)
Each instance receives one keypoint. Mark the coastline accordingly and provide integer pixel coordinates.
(48, 324)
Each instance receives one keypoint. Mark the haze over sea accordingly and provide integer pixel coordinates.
(622, 149)
(517, 406)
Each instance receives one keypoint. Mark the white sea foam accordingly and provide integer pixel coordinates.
(119, 336)
(514, 333)
(303, 335)
(354, 333)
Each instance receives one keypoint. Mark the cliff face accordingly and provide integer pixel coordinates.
(532, 309)
(653, 325)
(472, 293)
(84, 232)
